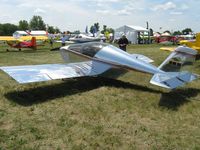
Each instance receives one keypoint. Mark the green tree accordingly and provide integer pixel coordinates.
(92, 29)
(23, 25)
(177, 33)
(104, 29)
(167, 31)
(187, 31)
(51, 29)
(110, 30)
(57, 30)
(36, 23)
(96, 25)
(7, 29)
(95, 28)
(1, 30)
(76, 32)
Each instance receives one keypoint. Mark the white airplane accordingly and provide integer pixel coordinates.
(81, 38)
(96, 59)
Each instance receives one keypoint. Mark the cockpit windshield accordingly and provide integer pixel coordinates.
(89, 49)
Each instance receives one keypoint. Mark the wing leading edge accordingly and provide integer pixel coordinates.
(38, 73)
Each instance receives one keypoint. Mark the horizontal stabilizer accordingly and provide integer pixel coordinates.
(172, 80)
(187, 50)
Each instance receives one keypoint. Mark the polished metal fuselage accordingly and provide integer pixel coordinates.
(116, 57)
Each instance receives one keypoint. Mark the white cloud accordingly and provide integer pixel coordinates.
(176, 13)
(39, 11)
(165, 6)
(76, 14)
(103, 1)
(24, 5)
(184, 7)
(104, 12)
(172, 20)
(124, 12)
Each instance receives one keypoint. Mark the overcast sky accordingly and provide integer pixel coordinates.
(76, 14)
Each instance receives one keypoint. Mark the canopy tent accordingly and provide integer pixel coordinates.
(132, 33)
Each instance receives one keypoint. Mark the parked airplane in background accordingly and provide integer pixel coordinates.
(83, 38)
(195, 44)
(23, 44)
(97, 59)
(24, 41)
(80, 38)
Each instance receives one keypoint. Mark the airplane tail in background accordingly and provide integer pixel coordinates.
(180, 55)
(33, 42)
(170, 79)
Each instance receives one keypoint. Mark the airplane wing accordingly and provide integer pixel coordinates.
(7, 38)
(38, 73)
(28, 38)
(142, 58)
(168, 48)
(66, 42)
(23, 38)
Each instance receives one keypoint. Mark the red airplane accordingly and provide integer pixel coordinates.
(23, 44)
(24, 41)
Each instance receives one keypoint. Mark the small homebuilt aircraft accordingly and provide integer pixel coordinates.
(23, 41)
(23, 44)
(97, 59)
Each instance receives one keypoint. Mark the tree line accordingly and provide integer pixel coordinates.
(183, 32)
(36, 23)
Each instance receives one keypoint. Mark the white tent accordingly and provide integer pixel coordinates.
(130, 31)
(39, 33)
(33, 33)
(17, 34)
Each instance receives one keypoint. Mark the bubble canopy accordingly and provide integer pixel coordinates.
(88, 49)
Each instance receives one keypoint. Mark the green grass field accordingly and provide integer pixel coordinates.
(96, 113)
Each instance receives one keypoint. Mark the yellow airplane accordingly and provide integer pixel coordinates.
(22, 38)
(194, 44)
(23, 41)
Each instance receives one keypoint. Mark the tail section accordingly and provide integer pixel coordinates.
(172, 80)
(33, 42)
(180, 55)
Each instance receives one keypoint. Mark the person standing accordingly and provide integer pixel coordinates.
(123, 42)
(63, 39)
(51, 41)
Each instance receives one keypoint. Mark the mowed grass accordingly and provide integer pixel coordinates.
(95, 112)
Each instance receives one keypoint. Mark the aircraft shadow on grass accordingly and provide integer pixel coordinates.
(23, 51)
(171, 100)
(176, 98)
(67, 88)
